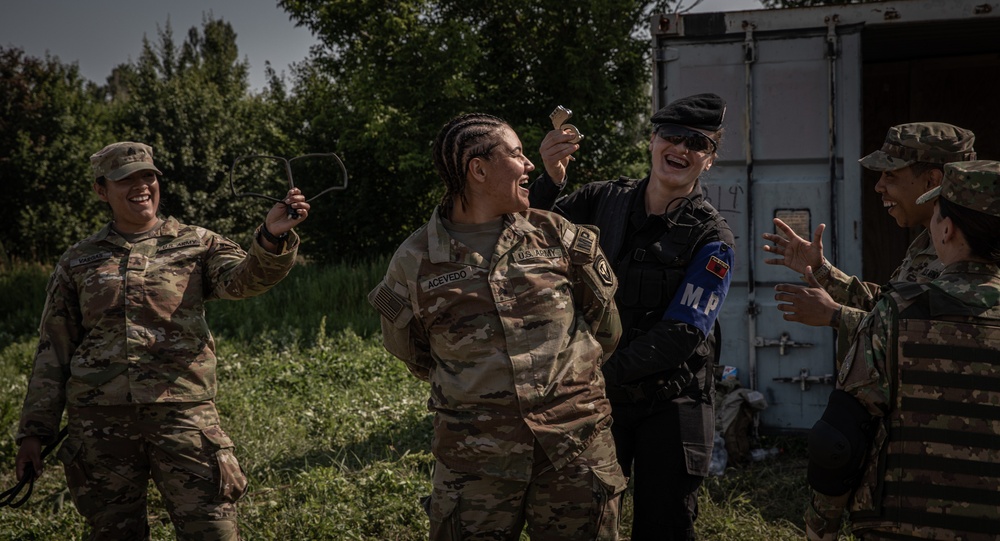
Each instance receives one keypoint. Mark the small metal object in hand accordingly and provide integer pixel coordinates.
(559, 117)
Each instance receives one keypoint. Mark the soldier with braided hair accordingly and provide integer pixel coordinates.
(509, 314)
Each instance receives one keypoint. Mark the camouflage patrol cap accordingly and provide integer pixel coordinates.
(119, 160)
(974, 185)
(933, 142)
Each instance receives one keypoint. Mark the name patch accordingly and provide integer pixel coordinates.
(89, 259)
(538, 253)
(448, 278)
(181, 244)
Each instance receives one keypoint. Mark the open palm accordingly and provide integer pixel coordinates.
(796, 252)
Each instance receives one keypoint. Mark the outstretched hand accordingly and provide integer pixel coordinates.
(278, 222)
(810, 305)
(796, 253)
(556, 150)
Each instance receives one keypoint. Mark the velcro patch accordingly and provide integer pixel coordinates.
(89, 259)
(448, 278)
(386, 303)
(538, 253)
(717, 267)
(584, 242)
(181, 244)
(604, 271)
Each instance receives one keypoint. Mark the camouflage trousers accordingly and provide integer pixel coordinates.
(112, 452)
(577, 502)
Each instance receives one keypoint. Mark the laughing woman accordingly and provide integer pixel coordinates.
(672, 253)
(508, 313)
(125, 349)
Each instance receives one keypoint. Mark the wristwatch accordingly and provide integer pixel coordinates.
(278, 240)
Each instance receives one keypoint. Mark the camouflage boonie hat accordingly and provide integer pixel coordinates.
(974, 185)
(933, 142)
(119, 160)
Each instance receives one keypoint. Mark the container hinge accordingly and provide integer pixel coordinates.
(805, 380)
(749, 45)
(831, 35)
(785, 341)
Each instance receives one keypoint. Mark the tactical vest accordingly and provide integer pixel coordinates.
(650, 272)
(938, 472)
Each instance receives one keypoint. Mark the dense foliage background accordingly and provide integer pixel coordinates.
(385, 77)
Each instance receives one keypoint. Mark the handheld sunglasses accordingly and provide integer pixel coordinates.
(693, 140)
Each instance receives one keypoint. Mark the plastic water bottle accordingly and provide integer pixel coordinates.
(763, 454)
(719, 456)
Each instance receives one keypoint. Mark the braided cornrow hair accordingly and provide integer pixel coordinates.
(463, 138)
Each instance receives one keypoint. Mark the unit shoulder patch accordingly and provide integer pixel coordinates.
(604, 271)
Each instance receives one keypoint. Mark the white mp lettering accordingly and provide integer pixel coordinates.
(713, 303)
(692, 296)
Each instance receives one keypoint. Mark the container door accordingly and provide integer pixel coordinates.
(790, 150)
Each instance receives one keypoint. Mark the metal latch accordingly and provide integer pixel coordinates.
(784, 342)
(804, 379)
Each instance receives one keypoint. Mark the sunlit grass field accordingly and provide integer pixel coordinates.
(333, 432)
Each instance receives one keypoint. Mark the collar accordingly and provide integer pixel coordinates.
(439, 242)
(638, 216)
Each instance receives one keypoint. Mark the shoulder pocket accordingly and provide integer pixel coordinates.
(392, 306)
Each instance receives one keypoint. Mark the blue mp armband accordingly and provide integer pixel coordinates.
(706, 283)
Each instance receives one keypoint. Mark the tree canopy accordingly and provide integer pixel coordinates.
(385, 77)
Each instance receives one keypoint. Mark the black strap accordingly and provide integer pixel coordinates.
(611, 215)
(7, 498)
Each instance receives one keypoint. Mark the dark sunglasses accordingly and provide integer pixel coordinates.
(693, 140)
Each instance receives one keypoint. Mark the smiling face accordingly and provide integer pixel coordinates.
(502, 188)
(134, 200)
(900, 189)
(676, 167)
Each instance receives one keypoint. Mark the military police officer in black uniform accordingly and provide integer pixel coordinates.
(672, 253)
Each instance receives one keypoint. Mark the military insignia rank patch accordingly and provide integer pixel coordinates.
(717, 267)
(604, 271)
(584, 242)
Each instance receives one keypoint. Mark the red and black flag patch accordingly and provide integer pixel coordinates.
(717, 267)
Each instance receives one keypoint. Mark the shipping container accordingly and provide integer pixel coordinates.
(810, 91)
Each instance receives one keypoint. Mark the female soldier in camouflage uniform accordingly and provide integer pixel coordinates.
(125, 348)
(908, 441)
(508, 314)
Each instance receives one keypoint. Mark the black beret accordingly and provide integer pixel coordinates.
(702, 111)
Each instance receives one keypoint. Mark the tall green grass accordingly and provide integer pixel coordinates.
(332, 431)
(299, 305)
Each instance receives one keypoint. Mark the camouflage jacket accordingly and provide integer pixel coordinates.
(511, 346)
(867, 371)
(125, 323)
(920, 265)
